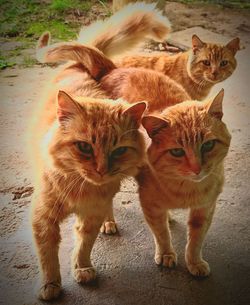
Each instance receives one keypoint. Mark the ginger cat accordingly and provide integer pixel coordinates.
(189, 144)
(82, 148)
(197, 70)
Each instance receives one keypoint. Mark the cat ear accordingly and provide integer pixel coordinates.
(234, 45)
(197, 44)
(66, 107)
(136, 111)
(215, 106)
(153, 124)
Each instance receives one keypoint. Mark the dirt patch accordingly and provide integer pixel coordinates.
(225, 21)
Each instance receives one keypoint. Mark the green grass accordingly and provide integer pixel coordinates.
(26, 20)
(67, 5)
(57, 29)
(29, 18)
(5, 62)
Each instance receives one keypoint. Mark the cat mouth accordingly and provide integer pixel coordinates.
(198, 178)
(101, 180)
(211, 80)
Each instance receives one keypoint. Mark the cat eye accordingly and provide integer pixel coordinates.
(223, 63)
(177, 152)
(85, 148)
(119, 151)
(207, 146)
(206, 62)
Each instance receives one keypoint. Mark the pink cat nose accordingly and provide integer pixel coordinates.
(196, 168)
(101, 170)
(101, 173)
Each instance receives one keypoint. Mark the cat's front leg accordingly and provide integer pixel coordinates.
(198, 224)
(157, 219)
(109, 225)
(46, 233)
(86, 229)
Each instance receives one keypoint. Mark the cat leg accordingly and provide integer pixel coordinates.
(109, 225)
(46, 233)
(198, 224)
(157, 219)
(86, 229)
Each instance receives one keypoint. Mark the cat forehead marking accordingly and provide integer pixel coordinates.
(215, 52)
(190, 127)
(104, 135)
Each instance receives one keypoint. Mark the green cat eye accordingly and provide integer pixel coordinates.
(206, 62)
(85, 147)
(207, 146)
(177, 152)
(119, 151)
(223, 63)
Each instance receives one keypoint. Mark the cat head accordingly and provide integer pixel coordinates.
(212, 63)
(97, 139)
(189, 140)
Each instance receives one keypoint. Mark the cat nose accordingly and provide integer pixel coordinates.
(194, 163)
(101, 169)
(214, 72)
(195, 168)
(101, 172)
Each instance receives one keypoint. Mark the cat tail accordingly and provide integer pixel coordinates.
(92, 59)
(126, 29)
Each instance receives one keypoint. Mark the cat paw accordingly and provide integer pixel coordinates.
(84, 275)
(167, 260)
(49, 291)
(200, 269)
(108, 227)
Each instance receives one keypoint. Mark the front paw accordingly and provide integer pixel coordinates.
(50, 291)
(84, 275)
(168, 260)
(199, 269)
(108, 227)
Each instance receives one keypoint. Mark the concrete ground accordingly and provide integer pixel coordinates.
(127, 274)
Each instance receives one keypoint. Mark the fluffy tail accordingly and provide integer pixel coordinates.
(120, 33)
(126, 29)
(92, 59)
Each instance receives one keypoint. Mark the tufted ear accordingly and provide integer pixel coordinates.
(214, 107)
(66, 107)
(234, 45)
(153, 124)
(197, 43)
(136, 111)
